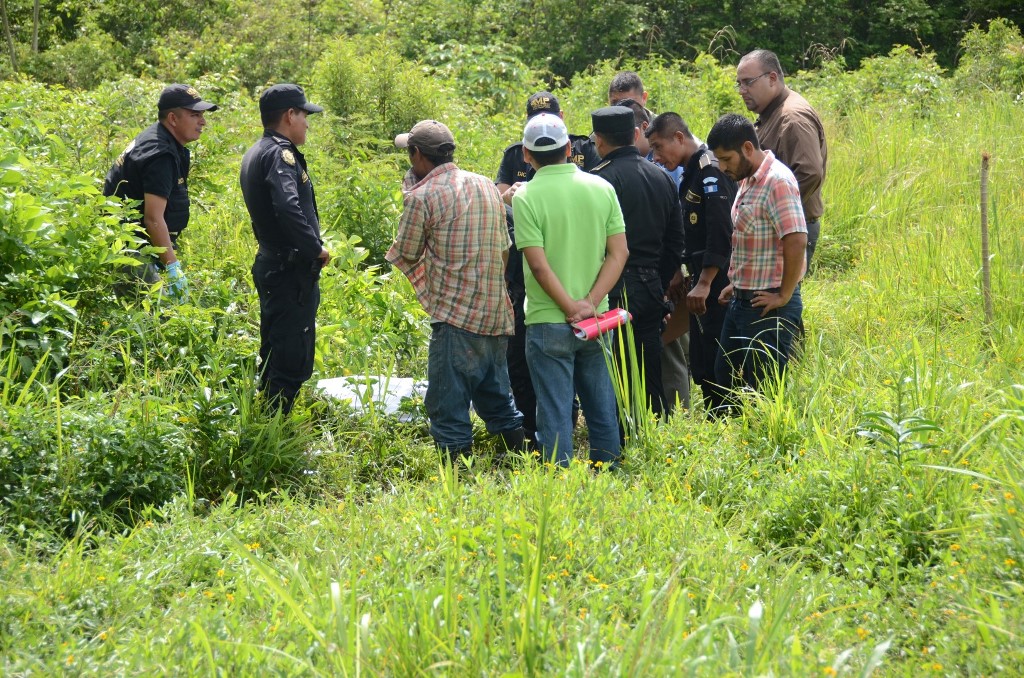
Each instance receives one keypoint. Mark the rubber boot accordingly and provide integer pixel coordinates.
(514, 442)
(455, 453)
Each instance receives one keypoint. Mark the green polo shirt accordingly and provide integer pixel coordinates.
(570, 214)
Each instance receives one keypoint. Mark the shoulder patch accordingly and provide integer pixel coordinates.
(288, 156)
(125, 152)
(601, 166)
(704, 161)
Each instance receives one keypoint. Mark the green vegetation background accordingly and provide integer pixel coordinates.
(865, 518)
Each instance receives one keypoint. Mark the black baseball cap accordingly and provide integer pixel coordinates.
(183, 96)
(286, 95)
(542, 102)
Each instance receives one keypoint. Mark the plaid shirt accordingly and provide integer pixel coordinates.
(450, 240)
(767, 207)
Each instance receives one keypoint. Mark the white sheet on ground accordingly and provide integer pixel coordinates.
(363, 392)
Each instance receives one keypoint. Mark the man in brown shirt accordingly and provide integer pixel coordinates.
(790, 128)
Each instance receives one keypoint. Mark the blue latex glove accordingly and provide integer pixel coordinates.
(176, 286)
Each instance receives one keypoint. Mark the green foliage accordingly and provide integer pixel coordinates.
(367, 201)
(376, 321)
(911, 82)
(56, 250)
(62, 465)
(372, 88)
(992, 58)
(493, 77)
(85, 62)
(138, 25)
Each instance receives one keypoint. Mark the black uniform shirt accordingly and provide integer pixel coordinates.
(514, 167)
(707, 195)
(650, 207)
(279, 196)
(155, 163)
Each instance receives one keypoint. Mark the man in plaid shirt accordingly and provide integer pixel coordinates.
(452, 244)
(769, 244)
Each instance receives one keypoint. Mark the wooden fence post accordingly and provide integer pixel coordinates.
(986, 268)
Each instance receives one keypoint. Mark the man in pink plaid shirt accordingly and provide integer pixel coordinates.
(769, 244)
(452, 244)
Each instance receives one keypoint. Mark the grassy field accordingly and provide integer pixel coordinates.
(864, 519)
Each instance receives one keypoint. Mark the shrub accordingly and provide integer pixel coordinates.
(492, 77)
(56, 251)
(907, 81)
(60, 464)
(992, 59)
(373, 88)
(84, 63)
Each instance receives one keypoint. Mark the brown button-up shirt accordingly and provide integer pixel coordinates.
(792, 130)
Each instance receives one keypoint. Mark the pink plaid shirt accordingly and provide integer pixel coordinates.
(767, 207)
(450, 242)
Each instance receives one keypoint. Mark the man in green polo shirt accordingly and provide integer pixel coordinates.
(570, 230)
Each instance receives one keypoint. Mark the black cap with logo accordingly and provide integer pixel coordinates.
(542, 102)
(286, 95)
(183, 96)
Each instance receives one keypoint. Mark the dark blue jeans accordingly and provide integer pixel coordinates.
(465, 368)
(559, 362)
(813, 231)
(755, 348)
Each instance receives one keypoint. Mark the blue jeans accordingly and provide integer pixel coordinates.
(813, 231)
(753, 347)
(464, 368)
(558, 363)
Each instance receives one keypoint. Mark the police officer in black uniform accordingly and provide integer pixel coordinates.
(707, 195)
(154, 169)
(514, 170)
(654, 233)
(279, 195)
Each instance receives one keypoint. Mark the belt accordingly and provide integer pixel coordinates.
(641, 269)
(269, 252)
(748, 295)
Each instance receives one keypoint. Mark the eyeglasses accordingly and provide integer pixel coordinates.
(745, 84)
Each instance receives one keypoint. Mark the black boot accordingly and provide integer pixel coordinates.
(455, 453)
(514, 442)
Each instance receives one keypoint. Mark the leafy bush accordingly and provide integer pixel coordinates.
(373, 88)
(61, 464)
(907, 81)
(85, 62)
(56, 250)
(376, 322)
(365, 202)
(493, 77)
(993, 58)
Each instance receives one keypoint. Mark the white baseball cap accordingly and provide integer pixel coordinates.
(545, 132)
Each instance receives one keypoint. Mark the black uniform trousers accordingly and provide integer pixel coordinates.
(705, 345)
(289, 297)
(640, 292)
